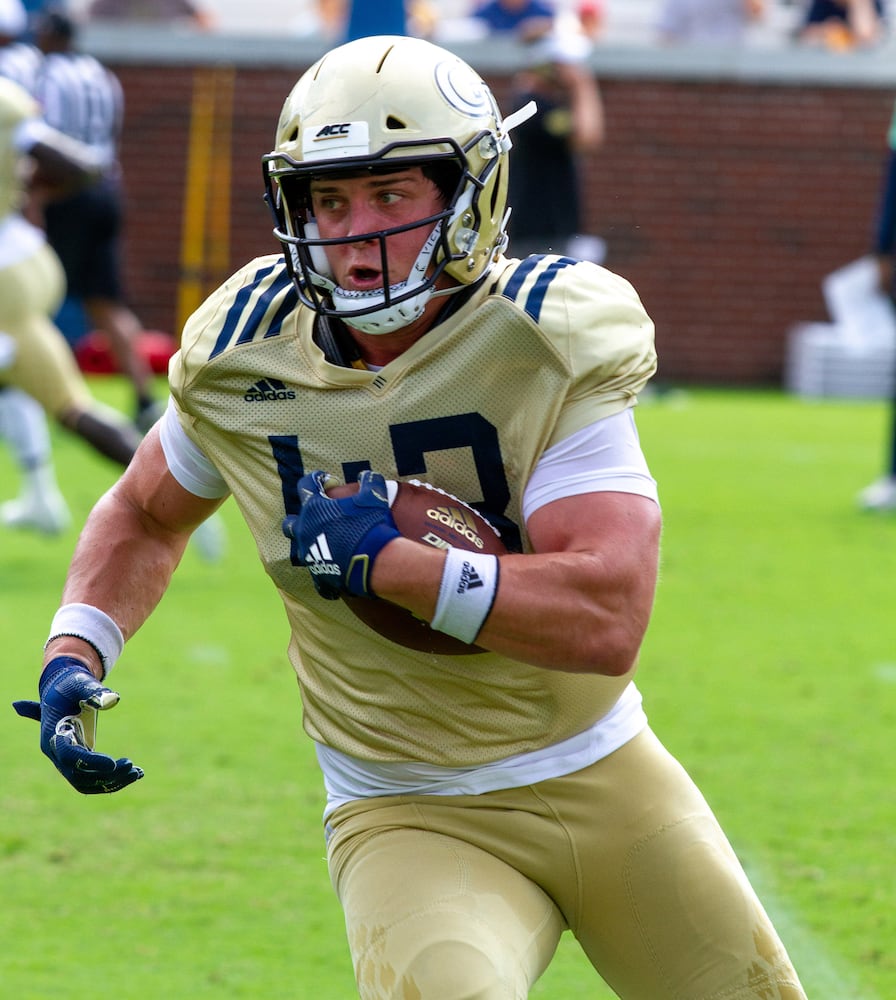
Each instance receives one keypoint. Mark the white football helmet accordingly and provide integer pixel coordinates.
(385, 103)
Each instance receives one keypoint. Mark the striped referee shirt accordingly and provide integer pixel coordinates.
(20, 62)
(83, 99)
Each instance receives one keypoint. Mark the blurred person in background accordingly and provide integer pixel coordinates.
(23, 423)
(185, 11)
(35, 360)
(523, 20)
(341, 20)
(385, 17)
(717, 22)
(38, 373)
(83, 99)
(592, 16)
(843, 24)
(881, 494)
(568, 125)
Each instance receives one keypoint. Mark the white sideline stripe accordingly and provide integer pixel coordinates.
(822, 978)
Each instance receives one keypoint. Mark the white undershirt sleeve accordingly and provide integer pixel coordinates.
(604, 456)
(187, 462)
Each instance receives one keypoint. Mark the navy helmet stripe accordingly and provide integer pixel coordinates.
(234, 314)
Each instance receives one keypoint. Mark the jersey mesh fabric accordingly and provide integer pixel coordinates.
(550, 347)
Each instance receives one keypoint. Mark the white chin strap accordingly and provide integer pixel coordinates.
(384, 319)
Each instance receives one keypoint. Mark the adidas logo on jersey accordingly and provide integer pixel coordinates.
(267, 390)
(320, 558)
(457, 520)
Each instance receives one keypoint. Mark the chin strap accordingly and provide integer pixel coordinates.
(515, 119)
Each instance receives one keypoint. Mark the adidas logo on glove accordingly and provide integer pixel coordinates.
(320, 558)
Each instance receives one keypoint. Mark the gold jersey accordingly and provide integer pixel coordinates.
(16, 106)
(543, 349)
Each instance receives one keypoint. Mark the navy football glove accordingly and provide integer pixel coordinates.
(339, 539)
(70, 697)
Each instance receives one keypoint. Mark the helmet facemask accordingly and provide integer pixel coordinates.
(399, 301)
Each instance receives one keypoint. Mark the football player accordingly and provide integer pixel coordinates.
(34, 356)
(477, 805)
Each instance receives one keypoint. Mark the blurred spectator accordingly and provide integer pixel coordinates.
(719, 22)
(881, 494)
(338, 20)
(591, 15)
(423, 18)
(151, 10)
(385, 17)
(82, 98)
(843, 24)
(545, 183)
(329, 18)
(524, 20)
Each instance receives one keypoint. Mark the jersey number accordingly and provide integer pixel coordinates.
(410, 444)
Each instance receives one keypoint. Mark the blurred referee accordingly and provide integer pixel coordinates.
(84, 99)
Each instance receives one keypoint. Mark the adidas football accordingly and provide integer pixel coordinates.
(429, 515)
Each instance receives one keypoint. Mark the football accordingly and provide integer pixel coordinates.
(429, 515)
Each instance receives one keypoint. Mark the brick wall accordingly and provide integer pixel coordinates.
(725, 202)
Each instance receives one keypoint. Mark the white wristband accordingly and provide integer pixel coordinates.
(95, 627)
(466, 594)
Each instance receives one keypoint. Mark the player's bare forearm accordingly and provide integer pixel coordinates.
(582, 603)
(130, 546)
(119, 566)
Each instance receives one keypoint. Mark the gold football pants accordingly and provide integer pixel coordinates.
(41, 362)
(467, 896)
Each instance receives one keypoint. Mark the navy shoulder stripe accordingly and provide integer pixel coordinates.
(290, 301)
(535, 297)
(238, 308)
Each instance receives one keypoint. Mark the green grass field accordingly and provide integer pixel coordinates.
(769, 669)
